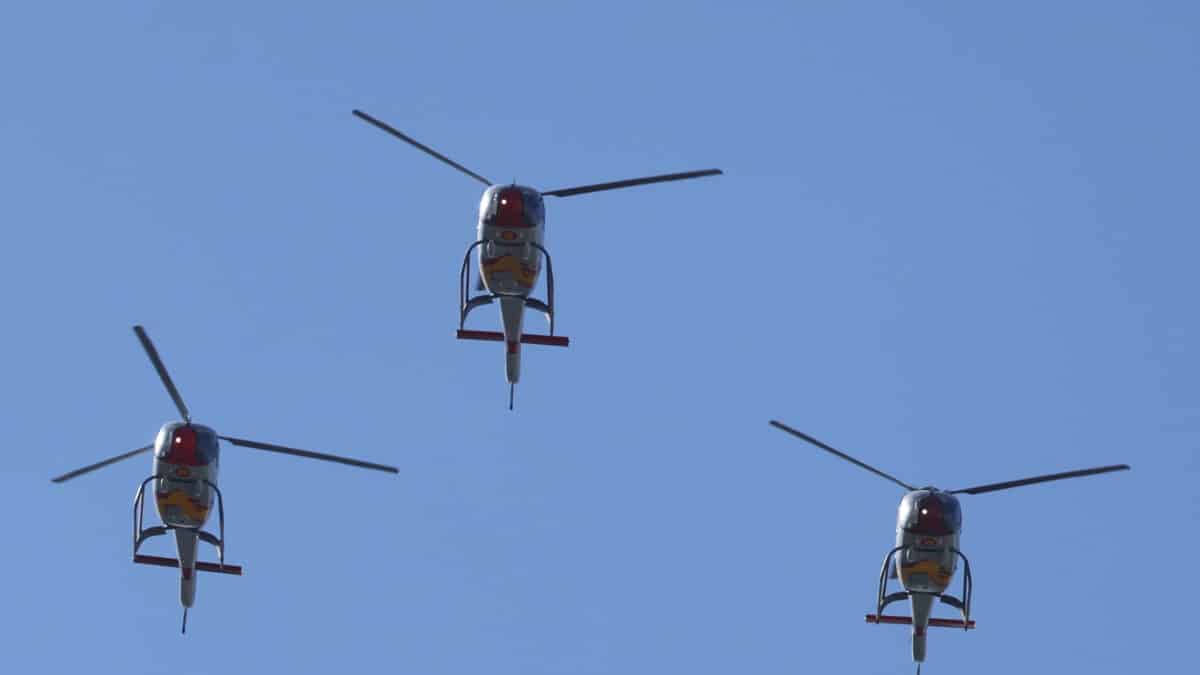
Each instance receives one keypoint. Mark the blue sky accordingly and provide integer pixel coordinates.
(958, 242)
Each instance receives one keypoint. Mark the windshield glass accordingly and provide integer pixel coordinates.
(512, 207)
(535, 209)
(933, 513)
(190, 445)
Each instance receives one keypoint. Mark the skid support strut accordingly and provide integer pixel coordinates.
(467, 303)
(963, 605)
(141, 534)
(883, 598)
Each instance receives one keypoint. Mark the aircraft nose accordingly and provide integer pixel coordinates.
(183, 446)
(510, 212)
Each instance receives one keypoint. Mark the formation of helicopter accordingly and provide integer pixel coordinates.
(510, 245)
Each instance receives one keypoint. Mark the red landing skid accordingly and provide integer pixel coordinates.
(493, 336)
(172, 562)
(907, 621)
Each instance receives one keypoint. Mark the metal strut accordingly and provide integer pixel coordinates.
(220, 523)
(139, 512)
(883, 600)
(964, 605)
(548, 309)
(141, 534)
(466, 304)
(968, 589)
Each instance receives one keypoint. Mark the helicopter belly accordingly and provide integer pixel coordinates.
(926, 564)
(925, 576)
(182, 497)
(509, 270)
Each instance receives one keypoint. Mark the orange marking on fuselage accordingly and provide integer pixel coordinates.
(525, 275)
(936, 573)
(184, 501)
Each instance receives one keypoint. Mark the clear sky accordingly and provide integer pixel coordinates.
(958, 241)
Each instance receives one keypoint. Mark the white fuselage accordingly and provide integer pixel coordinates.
(185, 477)
(928, 524)
(511, 228)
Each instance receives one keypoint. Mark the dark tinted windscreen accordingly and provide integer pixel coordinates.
(189, 445)
(936, 515)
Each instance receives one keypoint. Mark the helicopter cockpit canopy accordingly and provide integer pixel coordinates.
(186, 444)
(512, 206)
(932, 513)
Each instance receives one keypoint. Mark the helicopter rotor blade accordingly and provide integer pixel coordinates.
(162, 372)
(271, 447)
(101, 464)
(993, 487)
(418, 145)
(615, 185)
(828, 448)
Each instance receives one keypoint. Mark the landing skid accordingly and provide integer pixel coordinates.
(933, 622)
(466, 303)
(526, 338)
(160, 561)
(141, 534)
(884, 598)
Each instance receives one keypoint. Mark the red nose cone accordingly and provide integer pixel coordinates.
(931, 509)
(931, 519)
(510, 211)
(183, 447)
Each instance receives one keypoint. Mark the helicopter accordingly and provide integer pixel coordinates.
(926, 554)
(184, 474)
(510, 238)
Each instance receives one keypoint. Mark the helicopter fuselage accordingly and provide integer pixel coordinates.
(512, 227)
(928, 525)
(186, 457)
(512, 224)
